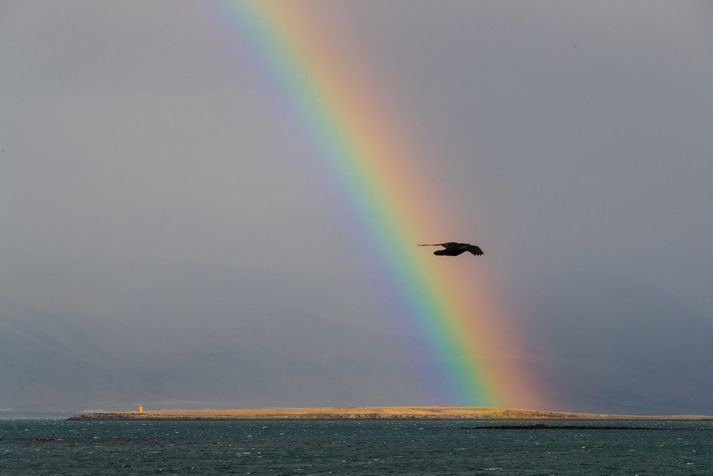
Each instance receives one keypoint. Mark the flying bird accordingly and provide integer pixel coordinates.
(454, 249)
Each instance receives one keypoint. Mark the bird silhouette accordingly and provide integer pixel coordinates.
(454, 249)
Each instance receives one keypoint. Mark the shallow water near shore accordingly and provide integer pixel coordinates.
(34, 446)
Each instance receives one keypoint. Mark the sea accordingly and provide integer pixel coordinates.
(47, 446)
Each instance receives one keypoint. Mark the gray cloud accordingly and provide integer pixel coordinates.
(169, 236)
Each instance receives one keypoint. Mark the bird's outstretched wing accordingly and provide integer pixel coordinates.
(476, 250)
(430, 244)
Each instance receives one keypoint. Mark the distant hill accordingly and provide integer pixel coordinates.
(603, 343)
(609, 342)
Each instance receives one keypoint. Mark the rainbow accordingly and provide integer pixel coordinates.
(372, 161)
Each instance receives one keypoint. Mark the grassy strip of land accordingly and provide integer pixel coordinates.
(371, 413)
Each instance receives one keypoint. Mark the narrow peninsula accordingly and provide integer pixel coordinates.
(370, 413)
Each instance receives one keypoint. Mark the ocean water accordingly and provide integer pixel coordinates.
(37, 446)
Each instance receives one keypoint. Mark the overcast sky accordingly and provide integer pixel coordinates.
(167, 237)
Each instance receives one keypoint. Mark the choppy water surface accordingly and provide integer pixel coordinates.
(344, 447)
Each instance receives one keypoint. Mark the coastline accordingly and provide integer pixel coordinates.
(369, 413)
